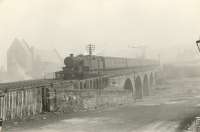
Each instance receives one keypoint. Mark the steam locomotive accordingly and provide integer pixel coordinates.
(85, 66)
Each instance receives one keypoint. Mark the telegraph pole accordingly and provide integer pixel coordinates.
(90, 49)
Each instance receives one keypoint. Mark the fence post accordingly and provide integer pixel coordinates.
(1, 124)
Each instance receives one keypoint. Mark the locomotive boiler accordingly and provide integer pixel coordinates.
(86, 66)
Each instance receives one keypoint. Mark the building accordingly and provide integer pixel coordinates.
(25, 62)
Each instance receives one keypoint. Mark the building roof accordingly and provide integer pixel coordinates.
(19, 44)
(44, 55)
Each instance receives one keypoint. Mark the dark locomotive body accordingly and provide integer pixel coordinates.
(86, 66)
(80, 67)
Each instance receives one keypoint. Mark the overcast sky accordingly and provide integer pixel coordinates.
(69, 25)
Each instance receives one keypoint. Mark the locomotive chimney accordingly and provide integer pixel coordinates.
(71, 55)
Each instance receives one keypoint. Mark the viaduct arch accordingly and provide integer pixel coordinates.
(138, 83)
(145, 86)
(138, 88)
(151, 80)
(128, 84)
(141, 84)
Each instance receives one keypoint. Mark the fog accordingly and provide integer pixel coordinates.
(165, 27)
(157, 91)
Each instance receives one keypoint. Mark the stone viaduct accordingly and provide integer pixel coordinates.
(21, 100)
(139, 82)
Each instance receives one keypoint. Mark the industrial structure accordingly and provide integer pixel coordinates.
(25, 62)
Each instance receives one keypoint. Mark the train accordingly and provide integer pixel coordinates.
(86, 66)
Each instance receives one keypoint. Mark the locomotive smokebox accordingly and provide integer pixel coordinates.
(68, 61)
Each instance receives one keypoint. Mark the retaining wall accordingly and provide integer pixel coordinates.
(87, 99)
(21, 101)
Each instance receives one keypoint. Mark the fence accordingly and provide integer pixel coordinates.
(22, 101)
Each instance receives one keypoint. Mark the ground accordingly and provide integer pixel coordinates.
(166, 110)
